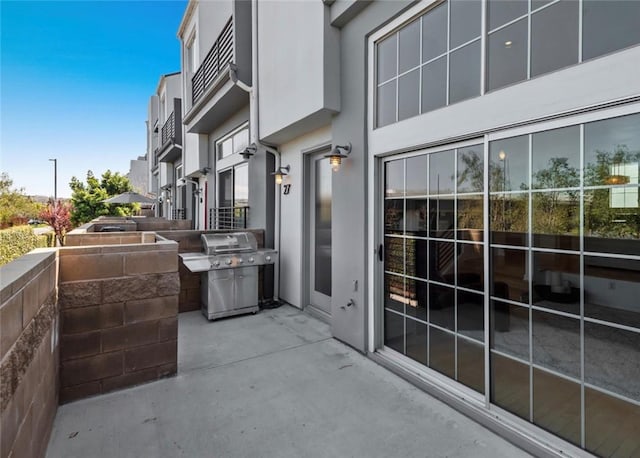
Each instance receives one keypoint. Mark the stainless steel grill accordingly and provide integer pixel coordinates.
(229, 266)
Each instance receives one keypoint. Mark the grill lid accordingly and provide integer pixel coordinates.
(227, 243)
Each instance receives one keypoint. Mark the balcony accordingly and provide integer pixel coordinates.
(214, 97)
(228, 217)
(171, 135)
(220, 55)
(179, 213)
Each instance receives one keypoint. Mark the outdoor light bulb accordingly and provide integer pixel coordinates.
(502, 155)
(335, 162)
(278, 178)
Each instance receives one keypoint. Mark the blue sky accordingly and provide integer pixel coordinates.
(76, 77)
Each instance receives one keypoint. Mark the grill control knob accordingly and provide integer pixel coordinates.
(240, 260)
(251, 259)
(268, 258)
(216, 263)
(228, 262)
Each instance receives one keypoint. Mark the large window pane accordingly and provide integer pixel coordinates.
(394, 178)
(556, 405)
(470, 217)
(510, 329)
(394, 292)
(471, 364)
(608, 26)
(417, 175)
(442, 352)
(408, 95)
(510, 385)
(509, 164)
(507, 55)
(465, 21)
(556, 281)
(471, 169)
(434, 85)
(441, 262)
(509, 219)
(394, 331)
(417, 258)
(441, 172)
(418, 300)
(610, 227)
(556, 220)
(612, 151)
(409, 46)
(502, 11)
(394, 216)
(510, 279)
(470, 315)
(394, 254)
(387, 58)
(464, 73)
(612, 425)
(556, 343)
(554, 37)
(470, 266)
(241, 186)
(556, 158)
(442, 306)
(611, 359)
(434, 33)
(417, 341)
(386, 112)
(611, 289)
(442, 218)
(417, 217)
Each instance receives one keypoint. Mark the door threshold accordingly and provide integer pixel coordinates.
(318, 313)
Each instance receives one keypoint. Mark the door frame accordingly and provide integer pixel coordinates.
(307, 156)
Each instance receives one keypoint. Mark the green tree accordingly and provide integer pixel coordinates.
(15, 207)
(88, 198)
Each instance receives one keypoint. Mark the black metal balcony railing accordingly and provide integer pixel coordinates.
(179, 213)
(228, 217)
(169, 128)
(219, 56)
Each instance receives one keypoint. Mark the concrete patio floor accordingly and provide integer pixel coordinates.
(273, 384)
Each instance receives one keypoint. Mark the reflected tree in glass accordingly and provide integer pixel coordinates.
(557, 212)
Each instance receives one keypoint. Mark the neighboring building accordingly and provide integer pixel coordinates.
(165, 147)
(481, 238)
(139, 174)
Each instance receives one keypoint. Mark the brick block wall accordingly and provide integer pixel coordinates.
(189, 242)
(28, 353)
(119, 325)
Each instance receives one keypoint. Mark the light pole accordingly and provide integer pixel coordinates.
(55, 179)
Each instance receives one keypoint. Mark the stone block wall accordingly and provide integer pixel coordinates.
(29, 353)
(190, 242)
(108, 238)
(119, 316)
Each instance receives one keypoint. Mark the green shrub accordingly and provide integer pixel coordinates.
(16, 241)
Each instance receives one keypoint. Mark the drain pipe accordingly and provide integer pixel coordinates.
(254, 130)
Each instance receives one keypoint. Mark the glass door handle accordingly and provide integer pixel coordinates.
(381, 252)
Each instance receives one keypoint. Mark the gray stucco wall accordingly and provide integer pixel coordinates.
(350, 184)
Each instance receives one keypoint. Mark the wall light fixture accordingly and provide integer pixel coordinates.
(281, 173)
(336, 155)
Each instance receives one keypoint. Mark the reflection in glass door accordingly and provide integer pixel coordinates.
(562, 275)
(319, 215)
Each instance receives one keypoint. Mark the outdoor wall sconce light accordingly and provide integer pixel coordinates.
(281, 173)
(336, 156)
(249, 151)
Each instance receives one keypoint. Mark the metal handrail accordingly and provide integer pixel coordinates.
(228, 217)
(169, 128)
(220, 54)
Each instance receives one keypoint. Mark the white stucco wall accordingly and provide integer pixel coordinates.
(292, 271)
